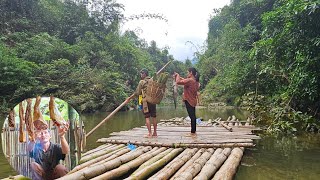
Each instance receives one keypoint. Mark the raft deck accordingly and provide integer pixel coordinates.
(215, 153)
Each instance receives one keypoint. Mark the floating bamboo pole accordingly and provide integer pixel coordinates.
(176, 145)
(123, 169)
(213, 164)
(153, 160)
(229, 168)
(100, 153)
(189, 163)
(174, 165)
(99, 169)
(104, 146)
(195, 168)
(155, 166)
(112, 154)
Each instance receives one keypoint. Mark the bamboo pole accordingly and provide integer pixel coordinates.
(100, 153)
(229, 167)
(213, 164)
(142, 174)
(189, 163)
(153, 160)
(118, 108)
(125, 168)
(103, 146)
(97, 170)
(176, 145)
(174, 165)
(196, 166)
(118, 152)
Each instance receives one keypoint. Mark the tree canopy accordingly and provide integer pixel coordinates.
(74, 50)
(264, 54)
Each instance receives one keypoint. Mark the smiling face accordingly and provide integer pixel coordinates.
(43, 135)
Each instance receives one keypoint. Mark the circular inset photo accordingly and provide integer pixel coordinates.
(42, 138)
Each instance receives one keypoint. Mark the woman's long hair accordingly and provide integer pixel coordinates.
(195, 73)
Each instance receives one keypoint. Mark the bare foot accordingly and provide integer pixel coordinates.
(147, 136)
(155, 135)
(191, 135)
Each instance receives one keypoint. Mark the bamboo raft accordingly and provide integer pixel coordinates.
(215, 153)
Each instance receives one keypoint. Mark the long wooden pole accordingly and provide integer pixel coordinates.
(119, 107)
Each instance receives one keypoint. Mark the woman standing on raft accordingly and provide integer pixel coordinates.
(190, 89)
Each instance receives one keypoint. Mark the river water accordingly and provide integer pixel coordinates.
(271, 158)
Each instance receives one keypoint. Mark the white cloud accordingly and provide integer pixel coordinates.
(187, 21)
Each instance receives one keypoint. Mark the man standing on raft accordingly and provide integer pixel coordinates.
(149, 110)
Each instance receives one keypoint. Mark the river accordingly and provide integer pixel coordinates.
(271, 158)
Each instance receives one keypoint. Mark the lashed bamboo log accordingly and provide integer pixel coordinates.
(153, 160)
(116, 153)
(189, 163)
(213, 164)
(94, 152)
(196, 166)
(176, 145)
(174, 165)
(22, 134)
(203, 138)
(155, 166)
(100, 153)
(170, 133)
(186, 128)
(229, 167)
(103, 146)
(123, 169)
(97, 170)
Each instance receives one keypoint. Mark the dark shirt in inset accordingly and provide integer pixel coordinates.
(49, 159)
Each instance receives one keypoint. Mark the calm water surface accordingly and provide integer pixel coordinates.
(272, 158)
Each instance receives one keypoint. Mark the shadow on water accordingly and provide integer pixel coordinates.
(271, 158)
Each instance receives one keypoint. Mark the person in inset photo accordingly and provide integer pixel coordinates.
(42, 138)
(47, 155)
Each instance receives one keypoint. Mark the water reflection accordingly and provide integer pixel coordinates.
(282, 158)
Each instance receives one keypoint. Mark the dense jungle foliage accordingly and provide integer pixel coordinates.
(73, 50)
(265, 55)
(260, 54)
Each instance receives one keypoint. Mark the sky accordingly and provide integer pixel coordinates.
(187, 22)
